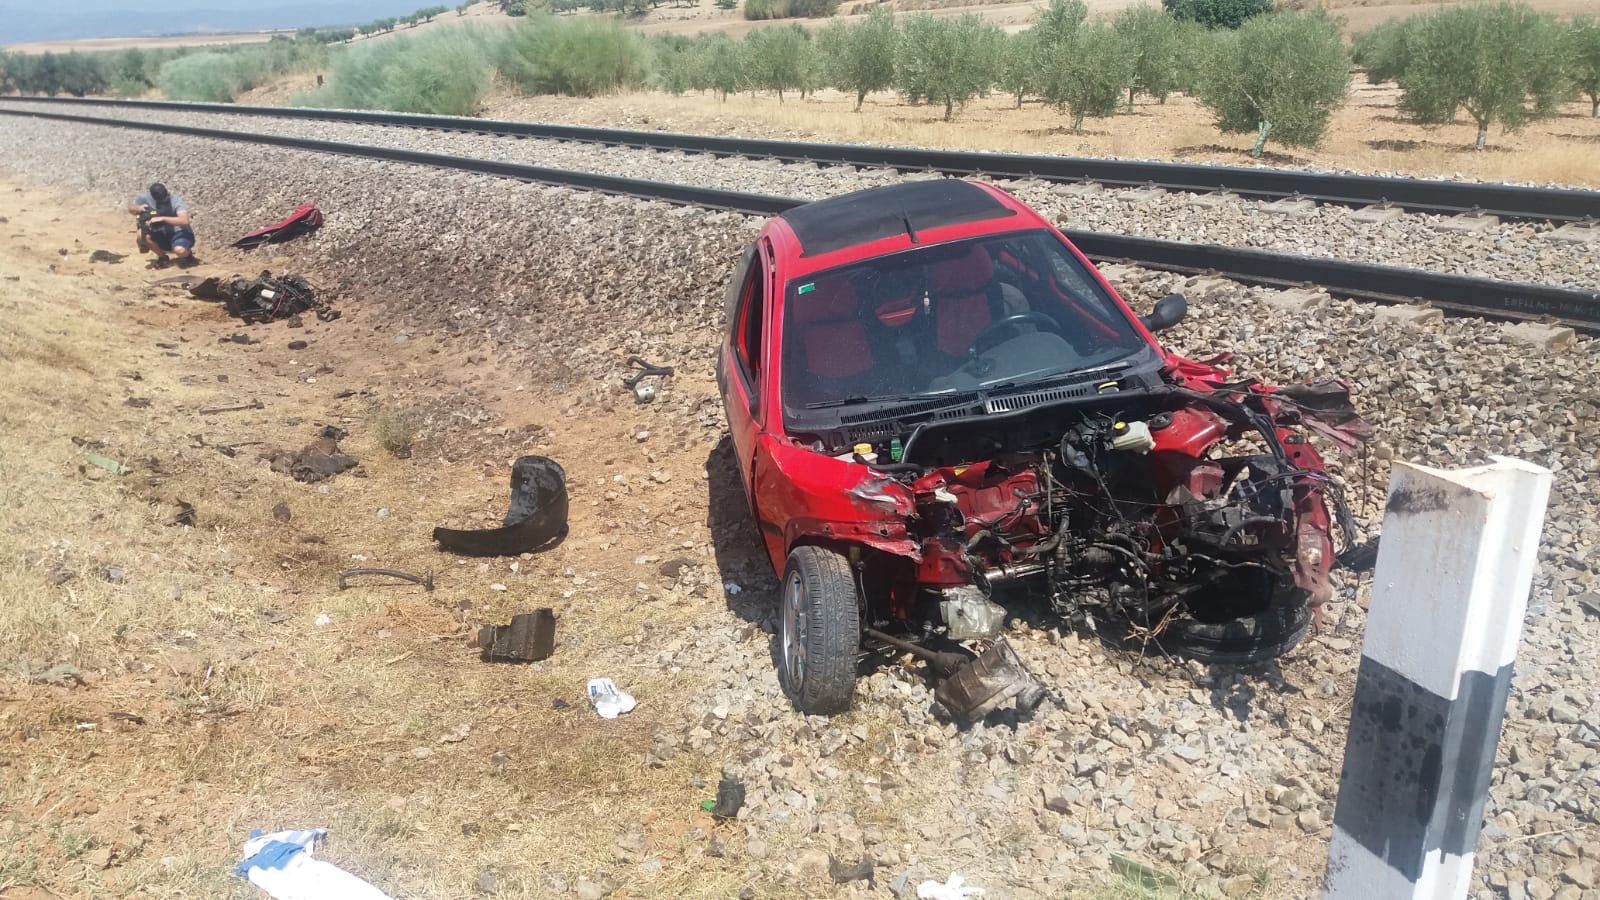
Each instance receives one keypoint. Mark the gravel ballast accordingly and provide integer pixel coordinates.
(1516, 251)
(1214, 773)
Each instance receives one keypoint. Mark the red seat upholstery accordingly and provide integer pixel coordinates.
(959, 291)
(833, 339)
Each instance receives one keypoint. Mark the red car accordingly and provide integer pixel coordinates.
(938, 403)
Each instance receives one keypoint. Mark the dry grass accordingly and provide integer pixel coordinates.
(211, 702)
(1366, 135)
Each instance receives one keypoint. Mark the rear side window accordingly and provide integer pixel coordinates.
(750, 324)
(736, 286)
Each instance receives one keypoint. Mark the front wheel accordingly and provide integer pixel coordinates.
(819, 631)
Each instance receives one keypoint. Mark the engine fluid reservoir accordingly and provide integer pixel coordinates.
(1134, 437)
(865, 453)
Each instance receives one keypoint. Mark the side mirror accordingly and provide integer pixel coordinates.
(1169, 311)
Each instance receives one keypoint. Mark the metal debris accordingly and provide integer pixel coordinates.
(537, 518)
(645, 370)
(232, 407)
(529, 638)
(988, 683)
(344, 577)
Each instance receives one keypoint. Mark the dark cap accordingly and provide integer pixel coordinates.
(158, 192)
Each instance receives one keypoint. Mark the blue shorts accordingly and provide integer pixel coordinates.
(181, 237)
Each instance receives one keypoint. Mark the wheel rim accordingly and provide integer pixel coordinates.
(794, 631)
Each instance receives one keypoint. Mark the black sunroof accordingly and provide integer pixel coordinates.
(880, 212)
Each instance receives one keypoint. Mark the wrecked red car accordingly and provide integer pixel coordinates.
(938, 404)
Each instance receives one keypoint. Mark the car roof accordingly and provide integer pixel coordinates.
(881, 220)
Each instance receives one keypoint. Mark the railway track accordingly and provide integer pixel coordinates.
(1511, 202)
(1354, 280)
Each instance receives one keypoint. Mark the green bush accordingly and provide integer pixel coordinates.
(207, 77)
(1281, 76)
(1503, 63)
(788, 9)
(859, 58)
(1217, 13)
(947, 61)
(1087, 74)
(444, 71)
(1583, 56)
(579, 57)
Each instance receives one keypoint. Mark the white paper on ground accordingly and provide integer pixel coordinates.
(281, 864)
(608, 701)
(954, 888)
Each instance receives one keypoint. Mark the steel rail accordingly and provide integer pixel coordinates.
(1359, 281)
(1261, 183)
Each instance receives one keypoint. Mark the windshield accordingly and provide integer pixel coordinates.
(947, 318)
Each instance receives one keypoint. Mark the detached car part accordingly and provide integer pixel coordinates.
(537, 517)
(529, 638)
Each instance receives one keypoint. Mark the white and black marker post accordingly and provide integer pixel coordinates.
(1448, 597)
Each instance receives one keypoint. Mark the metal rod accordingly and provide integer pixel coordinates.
(425, 580)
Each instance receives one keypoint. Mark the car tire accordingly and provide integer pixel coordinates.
(819, 630)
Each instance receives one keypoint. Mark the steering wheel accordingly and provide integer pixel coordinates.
(981, 340)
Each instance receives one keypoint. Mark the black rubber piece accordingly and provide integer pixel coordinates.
(1237, 642)
(537, 519)
(833, 631)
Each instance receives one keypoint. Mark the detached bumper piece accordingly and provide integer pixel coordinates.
(537, 518)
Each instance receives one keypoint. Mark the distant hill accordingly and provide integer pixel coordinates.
(115, 18)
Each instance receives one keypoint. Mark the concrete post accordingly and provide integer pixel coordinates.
(1448, 597)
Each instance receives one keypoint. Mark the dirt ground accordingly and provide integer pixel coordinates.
(1367, 134)
(166, 688)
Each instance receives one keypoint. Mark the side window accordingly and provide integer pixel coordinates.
(751, 324)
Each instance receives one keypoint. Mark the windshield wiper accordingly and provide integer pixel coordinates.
(891, 398)
(1062, 377)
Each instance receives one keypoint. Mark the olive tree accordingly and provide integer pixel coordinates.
(1281, 76)
(1025, 56)
(1383, 50)
(1087, 75)
(947, 61)
(1155, 40)
(859, 58)
(724, 62)
(1583, 56)
(1501, 64)
(1019, 71)
(775, 58)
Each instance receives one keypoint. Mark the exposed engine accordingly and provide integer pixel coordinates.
(1172, 513)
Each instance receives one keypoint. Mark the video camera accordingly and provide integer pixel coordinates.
(153, 229)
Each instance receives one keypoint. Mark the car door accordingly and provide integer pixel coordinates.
(743, 360)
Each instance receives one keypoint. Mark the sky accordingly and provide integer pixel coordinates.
(22, 21)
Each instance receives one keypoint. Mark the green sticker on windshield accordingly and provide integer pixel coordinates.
(807, 288)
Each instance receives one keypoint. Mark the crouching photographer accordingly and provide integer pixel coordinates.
(164, 227)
